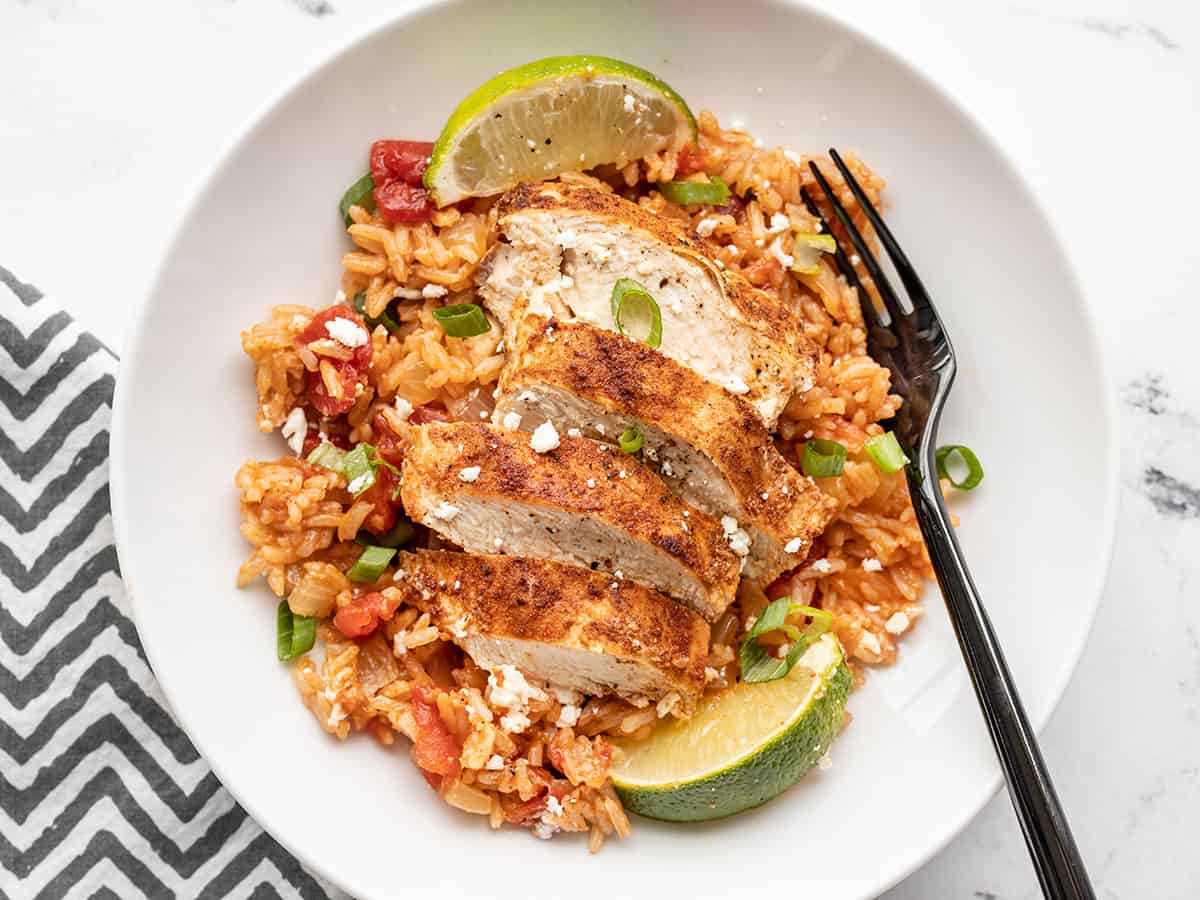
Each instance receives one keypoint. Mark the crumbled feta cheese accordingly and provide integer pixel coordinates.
(666, 468)
(433, 291)
(483, 414)
(779, 222)
(511, 421)
(897, 624)
(684, 525)
(347, 333)
(457, 584)
(871, 642)
(295, 430)
(739, 541)
(568, 716)
(777, 251)
(553, 806)
(871, 564)
(574, 433)
(600, 428)
(591, 482)
(544, 438)
(469, 474)
(498, 543)
(793, 546)
(458, 627)
(403, 407)
(765, 495)
(622, 474)
(823, 566)
(336, 715)
(628, 103)
(514, 722)
(495, 762)
(403, 293)
(359, 484)
(711, 674)
(544, 831)
(445, 511)
(735, 385)
(298, 322)
(509, 688)
(706, 226)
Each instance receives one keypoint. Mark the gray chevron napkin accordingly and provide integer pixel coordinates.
(101, 793)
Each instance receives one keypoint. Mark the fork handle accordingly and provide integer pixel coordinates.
(1056, 858)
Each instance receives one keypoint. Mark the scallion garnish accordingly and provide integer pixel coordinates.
(359, 469)
(402, 532)
(361, 193)
(462, 320)
(384, 319)
(327, 456)
(823, 459)
(630, 440)
(686, 193)
(885, 452)
(757, 664)
(944, 456)
(371, 563)
(627, 291)
(294, 634)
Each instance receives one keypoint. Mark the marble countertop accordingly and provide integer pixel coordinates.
(113, 112)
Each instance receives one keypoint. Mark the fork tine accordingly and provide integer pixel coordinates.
(839, 255)
(908, 275)
(890, 301)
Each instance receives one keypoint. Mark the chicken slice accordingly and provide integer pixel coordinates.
(568, 244)
(709, 446)
(583, 502)
(562, 624)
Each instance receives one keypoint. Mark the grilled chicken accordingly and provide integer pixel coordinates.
(710, 447)
(583, 502)
(566, 247)
(568, 626)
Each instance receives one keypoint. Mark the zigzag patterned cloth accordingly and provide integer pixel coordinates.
(101, 792)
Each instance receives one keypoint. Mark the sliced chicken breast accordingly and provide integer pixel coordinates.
(565, 625)
(710, 447)
(489, 490)
(568, 244)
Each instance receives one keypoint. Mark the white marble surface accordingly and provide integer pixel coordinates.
(112, 112)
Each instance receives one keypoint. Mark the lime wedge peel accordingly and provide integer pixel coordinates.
(742, 747)
(563, 113)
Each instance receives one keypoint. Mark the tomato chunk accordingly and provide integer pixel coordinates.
(397, 168)
(390, 444)
(383, 495)
(690, 161)
(348, 372)
(429, 412)
(436, 750)
(362, 615)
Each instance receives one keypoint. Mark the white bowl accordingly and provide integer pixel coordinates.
(916, 764)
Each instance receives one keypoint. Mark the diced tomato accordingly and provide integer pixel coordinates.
(763, 272)
(362, 615)
(335, 431)
(400, 161)
(525, 814)
(312, 440)
(350, 372)
(403, 204)
(436, 749)
(429, 412)
(781, 586)
(390, 444)
(691, 160)
(397, 168)
(384, 496)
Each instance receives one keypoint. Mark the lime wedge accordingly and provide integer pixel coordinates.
(560, 114)
(742, 747)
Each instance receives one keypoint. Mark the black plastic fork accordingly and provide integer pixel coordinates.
(914, 346)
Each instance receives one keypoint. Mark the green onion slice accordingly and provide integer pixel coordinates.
(371, 563)
(626, 290)
(327, 456)
(359, 469)
(823, 459)
(384, 318)
(631, 440)
(944, 456)
(294, 634)
(402, 532)
(462, 320)
(686, 193)
(758, 665)
(361, 193)
(885, 452)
